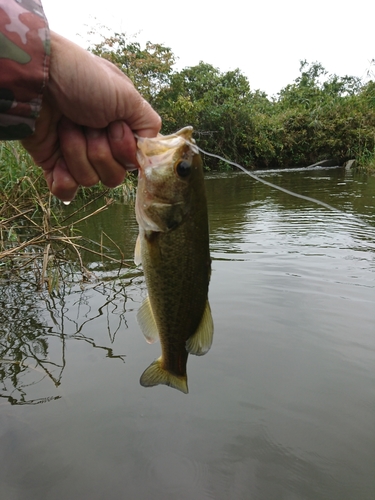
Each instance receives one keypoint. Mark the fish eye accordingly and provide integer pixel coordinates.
(183, 168)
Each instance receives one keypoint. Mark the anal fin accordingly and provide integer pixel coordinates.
(200, 342)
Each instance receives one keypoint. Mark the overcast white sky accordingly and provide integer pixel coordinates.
(265, 39)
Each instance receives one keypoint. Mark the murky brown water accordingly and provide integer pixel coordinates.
(282, 407)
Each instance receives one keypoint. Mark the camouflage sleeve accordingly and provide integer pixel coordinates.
(24, 59)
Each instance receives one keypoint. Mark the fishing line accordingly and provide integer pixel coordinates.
(287, 191)
(275, 186)
(347, 215)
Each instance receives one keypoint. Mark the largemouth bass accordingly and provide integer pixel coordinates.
(173, 247)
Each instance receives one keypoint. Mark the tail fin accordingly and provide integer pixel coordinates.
(155, 375)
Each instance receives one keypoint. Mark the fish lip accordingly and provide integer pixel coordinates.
(162, 148)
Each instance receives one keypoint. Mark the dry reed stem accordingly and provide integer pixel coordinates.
(51, 237)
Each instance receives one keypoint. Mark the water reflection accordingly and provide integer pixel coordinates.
(36, 330)
(257, 217)
(283, 405)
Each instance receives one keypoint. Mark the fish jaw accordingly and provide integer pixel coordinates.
(163, 200)
(162, 148)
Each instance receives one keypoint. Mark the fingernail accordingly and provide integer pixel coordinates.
(116, 131)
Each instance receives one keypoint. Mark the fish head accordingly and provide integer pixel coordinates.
(170, 168)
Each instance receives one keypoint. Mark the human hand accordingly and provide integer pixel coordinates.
(90, 111)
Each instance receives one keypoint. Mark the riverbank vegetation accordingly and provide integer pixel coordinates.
(40, 237)
(319, 116)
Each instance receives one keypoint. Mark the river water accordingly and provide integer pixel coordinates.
(282, 407)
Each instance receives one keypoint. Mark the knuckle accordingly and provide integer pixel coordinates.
(114, 180)
(158, 122)
(98, 155)
(89, 180)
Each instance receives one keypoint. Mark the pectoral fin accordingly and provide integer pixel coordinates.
(146, 321)
(137, 252)
(201, 341)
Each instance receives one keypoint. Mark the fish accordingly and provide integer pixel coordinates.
(173, 248)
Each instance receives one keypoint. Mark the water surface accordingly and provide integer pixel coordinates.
(282, 407)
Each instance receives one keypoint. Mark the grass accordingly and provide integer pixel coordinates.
(366, 161)
(38, 241)
(36, 236)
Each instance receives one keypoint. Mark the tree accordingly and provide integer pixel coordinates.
(318, 116)
(149, 68)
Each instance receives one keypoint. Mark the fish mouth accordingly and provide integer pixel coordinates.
(163, 148)
(162, 195)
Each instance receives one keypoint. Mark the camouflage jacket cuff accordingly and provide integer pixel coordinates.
(24, 63)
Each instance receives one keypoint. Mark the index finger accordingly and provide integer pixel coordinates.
(123, 144)
(142, 118)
